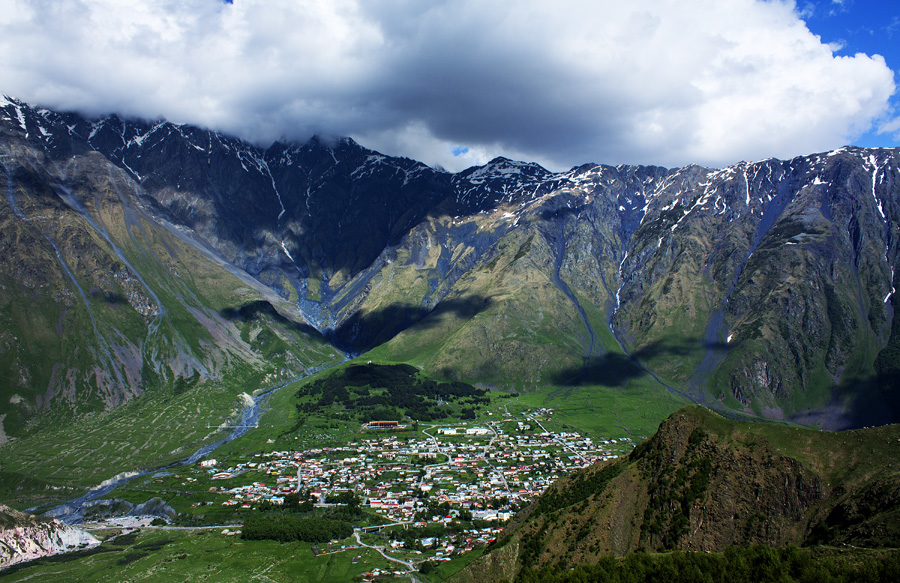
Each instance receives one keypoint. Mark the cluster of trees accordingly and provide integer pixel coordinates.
(347, 497)
(289, 527)
(294, 502)
(754, 564)
(580, 487)
(388, 392)
(299, 508)
(424, 460)
(667, 516)
(433, 508)
(427, 567)
(349, 508)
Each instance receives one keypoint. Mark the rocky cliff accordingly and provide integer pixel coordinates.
(704, 483)
(24, 537)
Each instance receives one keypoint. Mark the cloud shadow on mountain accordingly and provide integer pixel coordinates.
(364, 331)
(550, 215)
(255, 310)
(616, 369)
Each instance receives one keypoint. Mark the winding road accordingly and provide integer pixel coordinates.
(406, 564)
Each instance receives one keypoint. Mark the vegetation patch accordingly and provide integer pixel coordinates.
(578, 488)
(388, 392)
(754, 564)
(287, 528)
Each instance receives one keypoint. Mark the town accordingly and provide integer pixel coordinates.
(442, 474)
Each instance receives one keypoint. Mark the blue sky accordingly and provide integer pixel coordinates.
(457, 82)
(860, 26)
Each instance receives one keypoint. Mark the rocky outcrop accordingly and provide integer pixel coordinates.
(704, 483)
(116, 507)
(24, 537)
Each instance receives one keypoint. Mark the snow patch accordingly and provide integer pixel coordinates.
(874, 162)
(893, 291)
(130, 169)
(747, 185)
(21, 117)
(286, 252)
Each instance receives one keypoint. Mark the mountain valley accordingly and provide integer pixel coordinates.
(159, 279)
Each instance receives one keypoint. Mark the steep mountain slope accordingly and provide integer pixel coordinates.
(704, 483)
(102, 302)
(779, 273)
(767, 287)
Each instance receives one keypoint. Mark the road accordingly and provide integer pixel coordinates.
(406, 564)
(487, 449)
(560, 442)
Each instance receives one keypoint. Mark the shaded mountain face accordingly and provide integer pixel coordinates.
(765, 287)
(704, 483)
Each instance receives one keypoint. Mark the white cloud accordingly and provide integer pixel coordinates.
(561, 82)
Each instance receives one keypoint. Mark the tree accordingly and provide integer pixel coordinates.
(426, 567)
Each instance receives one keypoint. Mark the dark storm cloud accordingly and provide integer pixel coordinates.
(457, 82)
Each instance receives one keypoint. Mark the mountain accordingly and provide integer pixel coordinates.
(705, 483)
(765, 287)
(123, 341)
(24, 537)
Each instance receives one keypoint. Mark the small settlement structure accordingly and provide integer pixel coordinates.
(485, 472)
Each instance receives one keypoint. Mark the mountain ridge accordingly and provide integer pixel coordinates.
(705, 484)
(767, 287)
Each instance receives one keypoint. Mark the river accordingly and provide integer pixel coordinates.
(71, 511)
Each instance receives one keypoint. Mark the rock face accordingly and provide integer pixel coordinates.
(766, 287)
(704, 483)
(116, 507)
(24, 537)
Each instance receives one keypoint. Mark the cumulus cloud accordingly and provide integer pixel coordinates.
(455, 82)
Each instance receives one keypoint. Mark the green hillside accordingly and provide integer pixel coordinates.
(706, 483)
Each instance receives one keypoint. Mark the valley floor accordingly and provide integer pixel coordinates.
(438, 494)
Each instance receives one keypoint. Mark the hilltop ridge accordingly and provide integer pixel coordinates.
(704, 483)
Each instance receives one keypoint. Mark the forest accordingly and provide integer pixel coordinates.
(285, 527)
(753, 564)
(388, 392)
